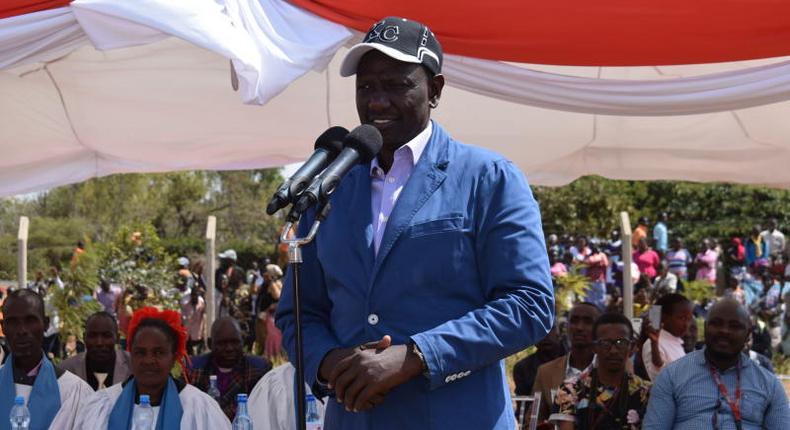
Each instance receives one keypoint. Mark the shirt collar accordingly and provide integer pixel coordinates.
(671, 337)
(413, 148)
(34, 371)
(699, 358)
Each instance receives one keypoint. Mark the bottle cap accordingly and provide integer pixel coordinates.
(212, 378)
(241, 397)
(309, 397)
(144, 399)
(19, 401)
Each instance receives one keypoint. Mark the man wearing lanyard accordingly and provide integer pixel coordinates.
(718, 387)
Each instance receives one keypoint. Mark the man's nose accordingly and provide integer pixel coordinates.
(378, 101)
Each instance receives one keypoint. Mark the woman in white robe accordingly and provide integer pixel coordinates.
(157, 341)
(201, 412)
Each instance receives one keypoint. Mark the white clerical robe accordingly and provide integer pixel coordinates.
(74, 392)
(271, 402)
(201, 412)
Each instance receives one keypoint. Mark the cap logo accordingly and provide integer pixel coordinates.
(423, 51)
(386, 34)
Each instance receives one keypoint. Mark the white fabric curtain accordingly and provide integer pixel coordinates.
(39, 37)
(269, 48)
(270, 42)
(151, 102)
(715, 92)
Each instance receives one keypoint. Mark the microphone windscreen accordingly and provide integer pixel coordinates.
(332, 140)
(367, 140)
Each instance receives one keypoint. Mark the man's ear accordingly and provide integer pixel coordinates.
(437, 84)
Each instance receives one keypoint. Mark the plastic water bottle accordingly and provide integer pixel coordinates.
(213, 391)
(313, 419)
(20, 416)
(144, 414)
(242, 420)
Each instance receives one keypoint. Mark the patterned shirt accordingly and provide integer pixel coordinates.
(678, 262)
(686, 397)
(572, 403)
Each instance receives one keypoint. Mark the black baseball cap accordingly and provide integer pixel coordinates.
(400, 38)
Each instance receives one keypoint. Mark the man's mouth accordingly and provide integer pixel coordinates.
(382, 121)
(23, 344)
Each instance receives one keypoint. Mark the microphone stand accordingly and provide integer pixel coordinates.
(295, 261)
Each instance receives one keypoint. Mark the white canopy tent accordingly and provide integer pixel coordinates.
(159, 97)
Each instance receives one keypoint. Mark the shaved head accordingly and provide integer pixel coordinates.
(226, 342)
(727, 330)
(225, 323)
(732, 307)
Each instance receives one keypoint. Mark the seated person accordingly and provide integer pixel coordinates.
(157, 341)
(53, 395)
(551, 375)
(236, 372)
(271, 403)
(666, 345)
(525, 370)
(719, 386)
(605, 396)
(102, 364)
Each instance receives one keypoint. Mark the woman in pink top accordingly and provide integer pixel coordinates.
(646, 259)
(706, 262)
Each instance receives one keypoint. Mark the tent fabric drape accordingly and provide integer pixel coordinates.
(157, 96)
(39, 37)
(587, 33)
(10, 8)
(734, 89)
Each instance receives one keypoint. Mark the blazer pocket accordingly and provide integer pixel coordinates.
(436, 226)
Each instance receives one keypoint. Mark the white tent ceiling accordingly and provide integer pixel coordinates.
(169, 105)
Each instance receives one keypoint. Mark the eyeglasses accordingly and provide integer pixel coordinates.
(606, 344)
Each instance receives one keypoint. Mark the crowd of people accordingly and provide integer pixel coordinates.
(752, 269)
(597, 369)
(100, 387)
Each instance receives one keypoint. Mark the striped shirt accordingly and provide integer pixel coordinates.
(685, 397)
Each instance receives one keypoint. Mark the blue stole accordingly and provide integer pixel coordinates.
(44, 401)
(170, 410)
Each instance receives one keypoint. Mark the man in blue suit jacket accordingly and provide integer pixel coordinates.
(430, 269)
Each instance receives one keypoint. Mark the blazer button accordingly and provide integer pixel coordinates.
(373, 319)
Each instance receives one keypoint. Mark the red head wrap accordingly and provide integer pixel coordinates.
(172, 319)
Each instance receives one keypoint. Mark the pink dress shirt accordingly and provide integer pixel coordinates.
(385, 188)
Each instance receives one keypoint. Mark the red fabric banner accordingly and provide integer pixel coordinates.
(18, 7)
(584, 32)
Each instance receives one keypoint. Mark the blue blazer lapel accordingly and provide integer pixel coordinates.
(428, 175)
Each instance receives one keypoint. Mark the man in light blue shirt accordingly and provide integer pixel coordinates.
(660, 234)
(700, 391)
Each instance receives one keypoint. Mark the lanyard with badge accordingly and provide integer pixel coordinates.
(735, 405)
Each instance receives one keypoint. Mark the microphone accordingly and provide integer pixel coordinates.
(361, 145)
(327, 147)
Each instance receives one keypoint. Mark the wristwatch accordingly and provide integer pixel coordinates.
(414, 349)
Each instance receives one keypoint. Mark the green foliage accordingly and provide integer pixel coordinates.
(781, 364)
(135, 258)
(175, 204)
(699, 291)
(591, 205)
(75, 302)
(567, 288)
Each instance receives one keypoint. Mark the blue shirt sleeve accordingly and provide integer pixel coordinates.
(661, 406)
(777, 415)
